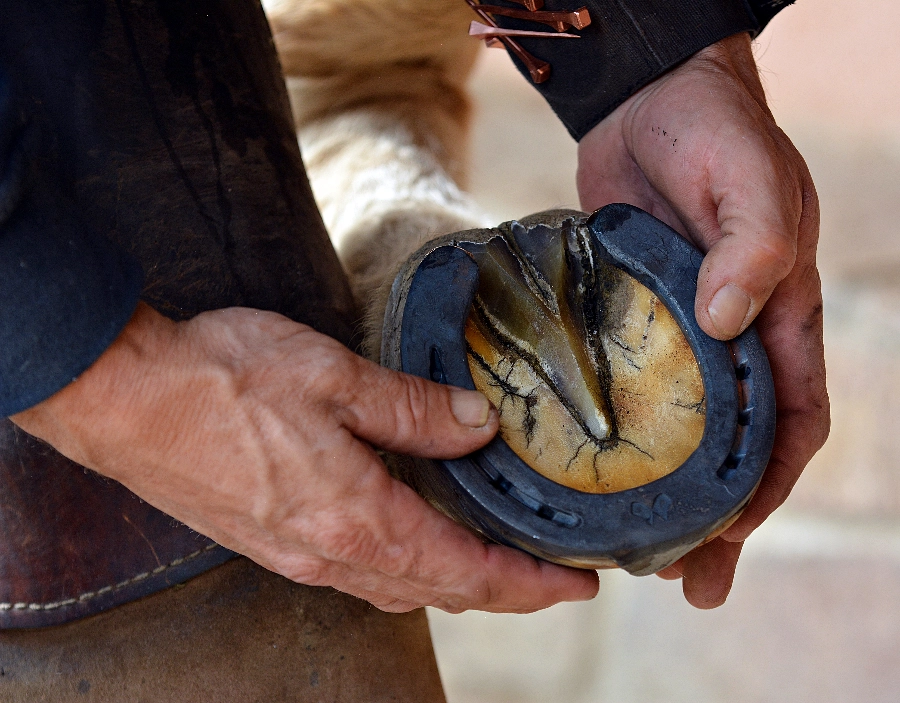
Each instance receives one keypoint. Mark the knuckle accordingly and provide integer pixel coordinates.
(350, 545)
(482, 595)
(392, 605)
(777, 253)
(456, 603)
(412, 412)
(324, 377)
(363, 550)
(399, 562)
(309, 571)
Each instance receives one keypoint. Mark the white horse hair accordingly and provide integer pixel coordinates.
(379, 98)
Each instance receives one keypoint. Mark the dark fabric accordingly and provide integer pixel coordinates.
(134, 132)
(148, 131)
(765, 10)
(65, 293)
(628, 44)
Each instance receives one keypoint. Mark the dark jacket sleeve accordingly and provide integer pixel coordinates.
(65, 291)
(628, 44)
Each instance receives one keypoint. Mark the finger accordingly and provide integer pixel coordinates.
(709, 573)
(407, 414)
(459, 572)
(773, 490)
(672, 572)
(791, 331)
(736, 183)
(761, 199)
(386, 603)
(388, 541)
(742, 204)
(557, 583)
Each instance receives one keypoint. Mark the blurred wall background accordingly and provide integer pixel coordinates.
(815, 610)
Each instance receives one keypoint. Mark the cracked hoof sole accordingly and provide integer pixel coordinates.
(627, 435)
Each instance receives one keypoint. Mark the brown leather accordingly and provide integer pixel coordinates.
(75, 543)
(182, 149)
(237, 634)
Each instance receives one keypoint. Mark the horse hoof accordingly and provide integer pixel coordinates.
(627, 435)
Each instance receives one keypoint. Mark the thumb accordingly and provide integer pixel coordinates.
(760, 211)
(408, 414)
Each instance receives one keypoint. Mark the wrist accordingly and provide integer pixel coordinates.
(734, 56)
(102, 398)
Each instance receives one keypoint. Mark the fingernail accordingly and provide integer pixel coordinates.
(470, 408)
(727, 310)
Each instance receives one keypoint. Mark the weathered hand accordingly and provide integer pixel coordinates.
(699, 149)
(254, 430)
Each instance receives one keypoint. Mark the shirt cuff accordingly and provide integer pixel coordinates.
(66, 295)
(628, 44)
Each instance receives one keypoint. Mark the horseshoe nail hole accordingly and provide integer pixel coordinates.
(546, 512)
(745, 416)
(558, 517)
(436, 370)
(729, 468)
(501, 484)
(742, 372)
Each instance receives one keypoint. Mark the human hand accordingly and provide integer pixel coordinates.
(254, 430)
(700, 150)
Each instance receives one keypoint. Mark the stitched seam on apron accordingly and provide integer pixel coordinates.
(89, 595)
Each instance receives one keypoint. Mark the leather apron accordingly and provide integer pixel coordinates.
(182, 151)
